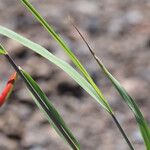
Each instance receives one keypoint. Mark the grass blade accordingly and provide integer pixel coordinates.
(64, 66)
(45, 106)
(144, 128)
(2, 50)
(77, 63)
(143, 125)
(55, 119)
(60, 63)
(69, 52)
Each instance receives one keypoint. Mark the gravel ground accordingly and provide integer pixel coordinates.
(118, 31)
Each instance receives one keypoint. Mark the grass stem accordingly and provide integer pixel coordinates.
(122, 131)
(100, 64)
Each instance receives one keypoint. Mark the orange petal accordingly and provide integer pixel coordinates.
(8, 88)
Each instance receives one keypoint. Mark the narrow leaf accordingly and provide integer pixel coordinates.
(60, 63)
(69, 52)
(2, 51)
(133, 106)
(57, 61)
(74, 59)
(53, 116)
(143, 125)
(44, 105)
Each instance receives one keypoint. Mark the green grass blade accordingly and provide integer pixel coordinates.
(2, 50)
(69, 52)
(63, 65)
(133, 106)
(143, 125)
(60, 63)
(54, 118)
(45, 105)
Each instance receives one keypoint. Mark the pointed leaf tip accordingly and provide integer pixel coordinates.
(2, 50)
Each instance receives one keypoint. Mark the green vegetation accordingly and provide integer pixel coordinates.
(83, 79)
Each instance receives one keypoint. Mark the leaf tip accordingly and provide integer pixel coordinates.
(2, 50)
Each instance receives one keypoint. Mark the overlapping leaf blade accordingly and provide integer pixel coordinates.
(87, 82)
(60, 63)
(54, 118)
(144, 128)
(69, 52)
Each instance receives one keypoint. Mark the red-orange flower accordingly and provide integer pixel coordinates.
(8, 88)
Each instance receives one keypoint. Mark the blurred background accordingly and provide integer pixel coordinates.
(118, 31)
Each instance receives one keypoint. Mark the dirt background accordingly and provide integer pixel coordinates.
(119, 32)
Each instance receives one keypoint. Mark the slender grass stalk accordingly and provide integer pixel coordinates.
(122, 132)
(53, 59)
(43, 52)
(68, 51)
(142, 123)
(40, 101)
(77, 63)
(60, 41)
